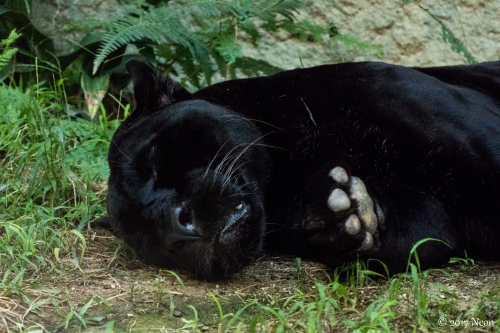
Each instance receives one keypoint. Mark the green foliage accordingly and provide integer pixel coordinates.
(304, 30)
(448, 36)
(32, 57)
(80, 316)
(202, 37)
(376, 317)
(6, 51)
(456, 44)
(52, 172)
(340, 304)
(351, 42)
(53, 166)
(464, 263)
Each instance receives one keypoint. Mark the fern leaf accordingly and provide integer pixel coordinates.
(217, 7)
(228, 48)
(159, 26)
(7, 52)
(269, 9)
(249, 27)
(353, 42)
(304, 29)
(254, 67)
(457, 45)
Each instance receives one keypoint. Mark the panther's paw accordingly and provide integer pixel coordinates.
(351, 215)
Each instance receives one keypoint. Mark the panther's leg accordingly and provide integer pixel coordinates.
(344, 217)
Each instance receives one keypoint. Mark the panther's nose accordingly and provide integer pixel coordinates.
(183, 215)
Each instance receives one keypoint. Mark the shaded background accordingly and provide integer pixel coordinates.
(406, 34)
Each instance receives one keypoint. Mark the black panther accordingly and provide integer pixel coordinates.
(332, 163)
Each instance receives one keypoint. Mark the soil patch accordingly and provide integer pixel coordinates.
(141, 298)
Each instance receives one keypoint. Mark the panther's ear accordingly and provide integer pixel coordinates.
(152, 90)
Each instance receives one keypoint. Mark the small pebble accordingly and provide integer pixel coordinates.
(177, 313)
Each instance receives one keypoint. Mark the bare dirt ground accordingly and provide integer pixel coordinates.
(141, 298)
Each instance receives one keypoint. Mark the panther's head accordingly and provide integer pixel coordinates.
(187, 180)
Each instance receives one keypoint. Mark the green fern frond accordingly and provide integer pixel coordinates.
(269, 9)
(254, 67)
(304, 29)
(457, 45)
(193, 70)
(264, 9)
(7, 52)
(250, 28)
(228, 48)
(353, 42)
(210, 43)
(217, 8)
(159, 26)
(6, 56)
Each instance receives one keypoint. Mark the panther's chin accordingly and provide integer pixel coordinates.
(215, 262)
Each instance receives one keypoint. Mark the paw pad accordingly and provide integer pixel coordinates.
(338, 201)
(354, 195)
(339, 175)
(352, 225)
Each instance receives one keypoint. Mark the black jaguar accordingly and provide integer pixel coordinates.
(330, 163)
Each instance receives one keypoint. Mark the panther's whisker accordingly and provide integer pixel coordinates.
(272, 147)
(241, 117)
(213, 159)
(244, 151)
(218, 170)
(232, 195)
(228, 176)
(242, 186)
(252, 120)
(251, 144)
(117, 163)
(226, 158)
(114, 142)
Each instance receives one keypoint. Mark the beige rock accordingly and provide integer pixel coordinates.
(407, 34)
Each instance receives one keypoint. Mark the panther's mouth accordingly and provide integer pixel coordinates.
(213, 238)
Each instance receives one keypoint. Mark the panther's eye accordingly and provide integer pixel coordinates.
(240, 211)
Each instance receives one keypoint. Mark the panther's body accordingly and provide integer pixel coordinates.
(328, 162)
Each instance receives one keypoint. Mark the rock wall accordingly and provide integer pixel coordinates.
(64, 20)
(407, 34)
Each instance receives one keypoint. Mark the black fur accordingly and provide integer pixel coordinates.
(203, 181)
